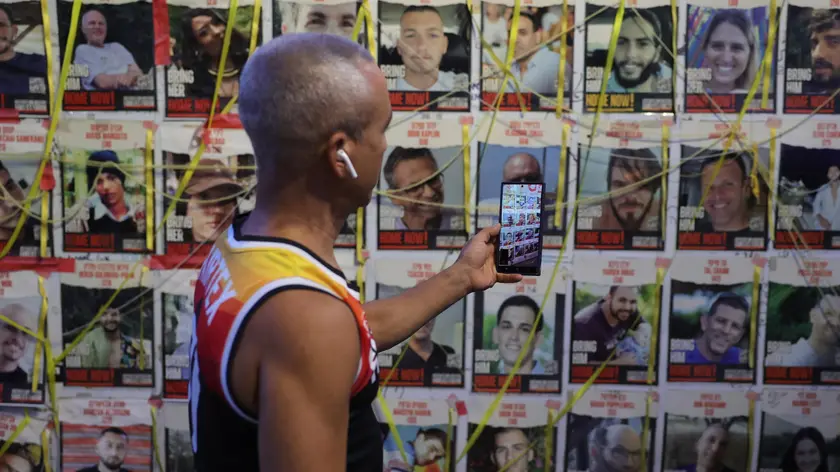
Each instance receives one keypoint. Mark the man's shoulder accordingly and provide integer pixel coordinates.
(585, 315)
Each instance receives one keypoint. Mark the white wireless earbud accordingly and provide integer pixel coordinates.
(344, 157)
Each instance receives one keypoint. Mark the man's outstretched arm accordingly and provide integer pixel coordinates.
(394, 319)
(310, 352)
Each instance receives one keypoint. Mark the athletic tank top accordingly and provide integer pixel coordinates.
(239, 274)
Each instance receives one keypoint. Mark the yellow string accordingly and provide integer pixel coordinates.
(11, 439)
(754, 312)
(255, 26)
(663, 208)
(561, 71)
(392, 426)
(768, 55)
(42, 323)
(150, 196)
(549, 442)
(770, 183)
(45, 450)
(561, 176)
(45, 216)
(654, 337)
(447, 461)
(465, 139)
(155, 442)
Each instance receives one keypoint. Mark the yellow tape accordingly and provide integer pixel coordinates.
(11, 439)
(255, 26)
(48, 49)
(371, 39)
(756, 189)
(663, 207)
(360, 234)
(514, 33)
(447, 461)
(549, 442)
(673, 46)
(45, 216)
(770, 183)
(561, 177)
(51, 387)
(654, 337)
(754, 312)
(768, 55)
(392, 426)
(155, 442)
(42, 323)
(142, 362)
(150, 194)
(234, 4)
(465, 140)
(561, 71)
(602, 96)
(360, 280)
(45, 450)
(360, 20)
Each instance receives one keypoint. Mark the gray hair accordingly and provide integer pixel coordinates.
(296, 91)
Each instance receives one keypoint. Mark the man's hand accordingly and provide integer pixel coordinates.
(477, 261)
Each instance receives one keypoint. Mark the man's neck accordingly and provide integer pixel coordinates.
(8, 55)
(119, 209)
(113, 335)
(7, 366)
(611, 320)
(421, 81)
(414, 221)
(422, 347)
(707, 353)
(525, 368)
(103, 468)
(523, 64)
(739, 224)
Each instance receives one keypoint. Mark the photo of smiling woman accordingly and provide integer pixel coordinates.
(725, 50)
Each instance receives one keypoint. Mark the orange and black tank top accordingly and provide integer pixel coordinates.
(239, 274)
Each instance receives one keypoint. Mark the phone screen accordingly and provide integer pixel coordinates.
(520, 242)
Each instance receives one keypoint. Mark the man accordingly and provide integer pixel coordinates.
(421, 210)
(12, 197)
(423, 353)
(711, 449)
(111, 449)
(827, 201)
(824, 31)
(606, 322)
(19, 458)
(721, 328)
(16, 69)
(519, 167)
(821, 348)
(212, 193)
(428, 447)
(514, 322)
(106, 347)
(13, 342)
(110, 66)
(509, 450)
(639, 65)
(535, 67)
(112, 213)
(421, 46)
(632, 182)
(729, 199)
(319, 154)
(337, 19)
(615, 448)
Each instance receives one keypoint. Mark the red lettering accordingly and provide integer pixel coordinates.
(76, 241)
(102, 99)
(179, 105)
(397, 98)
(714, 239)
(704, 371)
(390, 239)
(485, 382)
(75, 99)
(587, 237)
(613, 238)
(76, 375)
(679, 371)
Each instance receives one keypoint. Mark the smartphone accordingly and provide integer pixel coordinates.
(521, 238)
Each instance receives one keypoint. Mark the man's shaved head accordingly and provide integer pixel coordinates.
(522, 167)
(296, 91)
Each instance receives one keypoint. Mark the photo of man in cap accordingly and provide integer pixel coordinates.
(212, 193)
(112, 213)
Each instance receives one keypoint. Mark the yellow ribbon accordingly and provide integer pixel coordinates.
(18, 431)
(654, 337)
(42, 323)
(756, 188)
(663, 207)
(155, 445)
(48, 50)
(142, 361)
(465, 139)
(45, 450)
(772, 214)
(514, 33)
(45, 218)
(371, 39)
(389, 418)
(150, 194)
(561, 177)
(234, 4)
(561, 71)
(255, 26)
(754, 312)
(646, 429)
(674, 46)
(549, 442)
(447, 461)
(360, 280)
(767, 63)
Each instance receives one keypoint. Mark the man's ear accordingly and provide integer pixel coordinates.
(339, 141)
(704, 323)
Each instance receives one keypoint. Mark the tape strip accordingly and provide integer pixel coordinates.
(392, 426)
(549, 442)
(42, 324)
(561, 71)
(160, 15)
(371, 38)
(234, 4)
(770, 182)
(155, 442)
(447, 461)
(754, 312)
(45, 450)
(768, 55)
(48, 49)
(465, 140)
(18, 431)
(514, 33)
(142, 361)
(561, 176)
(663, 209)
(360, 234)
(654, 336)
(150, 194)
(45, 217)
(255, 26)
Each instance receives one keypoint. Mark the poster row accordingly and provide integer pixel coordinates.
(727, 49)
(632, 431)
(113, 181)
(711, 320)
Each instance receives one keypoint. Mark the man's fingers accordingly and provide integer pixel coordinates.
(487, 234)
(508, 278)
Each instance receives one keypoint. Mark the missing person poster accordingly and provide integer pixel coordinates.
(112, 64)
(196, 39)
(514, 439)
(799, 430)
(809, 178)
(425, 53)
(641, 75)
(333, 17)
(803, 317)
(434, 355)
(20, 304)
(724, 51)
(99, 434)
(103, 186)
(114, 350)
(721, 206)
(177, 438)
(706, 430)
(812, 68)
(220, 189)
(710, 321)
(23, 86)
(607, 431)
(616, 304)
(537, 55)
(425, 434)
(622, 180)
(22, 441)
(524, 151)
(505, 315)
(175, 289)
(21, 151)
(421, 189)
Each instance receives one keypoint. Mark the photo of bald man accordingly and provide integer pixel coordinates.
(23, 63)
(695, 444)
(511, 449)
(298, 17)
(525, 165)
(607, 444)
(642, 69)
(426, 48)
(812, 59)
(16, 175)
(17, 347)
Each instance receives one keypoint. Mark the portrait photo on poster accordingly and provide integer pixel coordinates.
(732, 217)
(520, 241)
(20, 438)
(605, 432)
(21, 304)
(425, 53)
(812, 63)
(537, 56)
(220, 189)
(112, 57)
(176, 289)
(415, 183)
(178, 441)
(799, 431)
(197, 34)
(504, 318)
(17, 174)
(716, 443)
(423, 432)
(709, 332)
(641, 75)
(725, 48)
(23, 61)
(116, 350)
(621, 199)
(333, 17)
